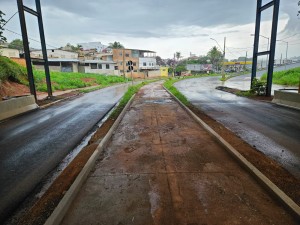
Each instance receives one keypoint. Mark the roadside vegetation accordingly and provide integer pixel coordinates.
(65, 81)
(127, 96)
(287, 77)
(169, 85)
(9, 70)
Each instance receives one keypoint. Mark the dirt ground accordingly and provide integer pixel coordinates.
(47, 203)
(9, 89)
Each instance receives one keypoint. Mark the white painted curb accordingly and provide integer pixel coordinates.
(276, 191)
(63, 206)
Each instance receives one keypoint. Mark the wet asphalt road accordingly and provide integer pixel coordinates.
(273, 130)
(32, 145)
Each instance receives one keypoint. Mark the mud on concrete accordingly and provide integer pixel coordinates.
(44, 206)
(163, 168)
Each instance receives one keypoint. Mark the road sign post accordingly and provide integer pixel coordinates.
(130, 68)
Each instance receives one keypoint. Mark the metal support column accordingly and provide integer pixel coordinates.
(38, 14)
(44, 49)
(271, 52)
(272, 47)
(26, 47)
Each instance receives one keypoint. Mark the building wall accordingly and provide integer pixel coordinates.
(20, 61)
(55, 54)
(154, 73)
(122, 56)
(164, 71)
(51, 68)
(10, 53)
(147, 63)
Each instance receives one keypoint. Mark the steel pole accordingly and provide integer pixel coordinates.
(272, 47)
(44, 49)
(256, 40)
(26, 48)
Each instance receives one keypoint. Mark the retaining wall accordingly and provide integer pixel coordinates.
(16, 106)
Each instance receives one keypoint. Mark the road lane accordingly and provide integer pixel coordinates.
(32, 145)
(272, 129)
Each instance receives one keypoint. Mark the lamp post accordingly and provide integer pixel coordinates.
(267, 47)
(223, 75)
(286, 52)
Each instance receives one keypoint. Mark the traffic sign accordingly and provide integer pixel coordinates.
(130, 65)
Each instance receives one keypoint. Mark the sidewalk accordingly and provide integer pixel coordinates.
(162, 168)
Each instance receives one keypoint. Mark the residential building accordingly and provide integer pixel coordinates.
(59, 60)
(10, 53)
(144, 61)
(93, 45)
(98, 66)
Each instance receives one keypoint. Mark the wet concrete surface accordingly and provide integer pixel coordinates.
(273, 130)
(32, 145)
(161, 167)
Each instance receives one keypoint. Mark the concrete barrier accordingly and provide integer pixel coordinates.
(16, 106)
(287, 98)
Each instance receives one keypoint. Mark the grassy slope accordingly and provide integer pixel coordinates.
(64, 81)
(287, 77)
(9, 70)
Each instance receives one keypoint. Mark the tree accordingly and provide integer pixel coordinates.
(178, 55)
(2, 23)
(215, 57)
(115, 45)
(17, 44)
(160, 61)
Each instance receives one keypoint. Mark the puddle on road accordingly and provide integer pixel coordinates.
(159, 101)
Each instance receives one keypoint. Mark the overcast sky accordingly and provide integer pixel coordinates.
(164, 26)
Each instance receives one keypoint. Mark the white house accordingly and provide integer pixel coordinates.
(98, 66)
(93, 45)
(10, 53)
(59, 60)
(54, 53)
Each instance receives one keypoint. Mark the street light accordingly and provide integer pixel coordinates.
(286, 53)
(223, 76)
(267, 47)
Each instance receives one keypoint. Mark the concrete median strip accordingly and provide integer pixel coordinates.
(277, 192)
(16, 106)
(59, 212)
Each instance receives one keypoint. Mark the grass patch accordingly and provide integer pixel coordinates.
(64, 81)
(169, 85)
(287, 77)
(10, 70)
(127, 96)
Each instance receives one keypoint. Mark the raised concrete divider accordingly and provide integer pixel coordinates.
(287, 98)
(16, 106)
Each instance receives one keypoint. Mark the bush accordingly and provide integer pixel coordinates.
(258, 87)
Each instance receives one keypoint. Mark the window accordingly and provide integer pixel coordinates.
(121, 63)
(107, 66)
(134, 63)
(120, 53)
(134, 70)
(144, 64)
(127, 54)
(100, 66)
(93, 65)
(86, 64)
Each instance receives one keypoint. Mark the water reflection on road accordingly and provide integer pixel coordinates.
(272, 129)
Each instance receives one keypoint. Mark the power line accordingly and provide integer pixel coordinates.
(30, 38)
(10, 19)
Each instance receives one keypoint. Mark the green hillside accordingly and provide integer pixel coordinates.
(10, 70)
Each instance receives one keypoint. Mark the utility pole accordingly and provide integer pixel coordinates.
(245, 61)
